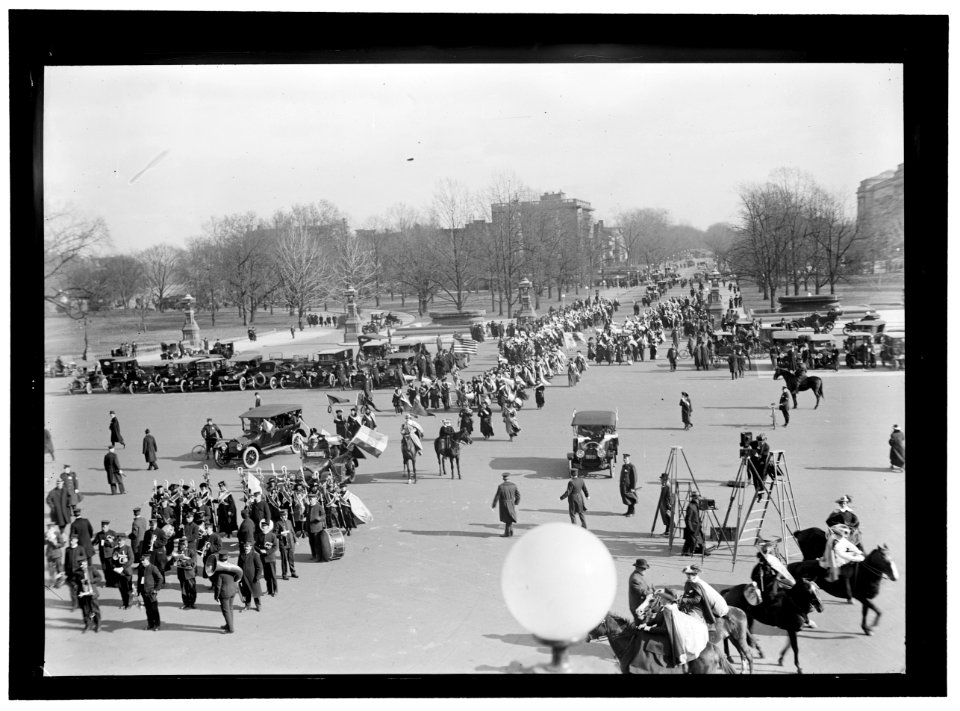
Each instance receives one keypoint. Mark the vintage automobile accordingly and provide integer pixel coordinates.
(235, 373)
(269, 429)
(273, 372)
(85, 377)
(124, 374)
(595, 441)
(892, 349)
(203, 373)
(321, 368)
(172, 375)
(870, 323)
(823, 351)
(860, 350)
(321, 454)
(223, 349)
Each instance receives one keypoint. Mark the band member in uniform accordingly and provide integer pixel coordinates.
(259, 509)
(191, 532)
(508, 496)
(628, 485)
(287, 541)
(122, 563)
(137, 531)
(252, 567)
(224, 591)
(73, 556)
(187, 574)
(86, 581)
(149, 582)
(316, 522)
(104, 543)
(268, 548)
(83, 529)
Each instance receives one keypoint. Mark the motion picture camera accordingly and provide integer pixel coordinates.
(747, 444)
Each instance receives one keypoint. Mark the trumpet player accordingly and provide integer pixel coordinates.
(186, 563)
(191, 533)
(122, 563)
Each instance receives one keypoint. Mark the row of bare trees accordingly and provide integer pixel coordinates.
(791, 233)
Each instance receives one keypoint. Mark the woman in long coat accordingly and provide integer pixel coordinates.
(898, 455)
(485, 414)
(226, 512)
(510, 422)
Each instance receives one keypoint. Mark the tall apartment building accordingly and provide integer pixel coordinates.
(551, 211)
(880, 214)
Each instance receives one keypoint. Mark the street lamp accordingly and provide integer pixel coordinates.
(559, 582)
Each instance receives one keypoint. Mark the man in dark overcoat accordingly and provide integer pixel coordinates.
(114, 473)
(73, 556)
(784, 405)
(104, 543)
(316, 521)
(628, 485)
(150, 450)
(287, 543)
(248, 529)
(224, 591)
(72, 484)
(58, 501)
(83, 530)
(115, 435)
(692, 527)
(149, 583)
(138, 530)
(576, 495)
(508, 496)
(252, 568)
(665, 503)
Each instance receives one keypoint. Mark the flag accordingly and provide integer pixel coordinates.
(370, 441)
(426, 380)
(361, 514)
(568, 341)
(416, 409)
(465, 345)
(336, 400)
(253, 484)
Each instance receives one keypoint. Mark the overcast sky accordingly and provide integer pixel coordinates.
(218, 140)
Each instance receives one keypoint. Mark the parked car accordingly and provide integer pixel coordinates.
(124, 374)
(267, 430)
(172, 375)
(595, 441)
(203, 373)
(273, 372)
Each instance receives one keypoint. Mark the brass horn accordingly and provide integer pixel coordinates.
(212, 566)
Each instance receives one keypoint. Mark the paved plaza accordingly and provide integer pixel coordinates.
(418, 590)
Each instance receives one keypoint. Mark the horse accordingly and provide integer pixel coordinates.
(410, 452)
(640, 652)
(786, 612)
(795, 385)
(448, 447)
(865, 577)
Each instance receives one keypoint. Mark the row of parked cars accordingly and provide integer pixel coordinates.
(213, 372)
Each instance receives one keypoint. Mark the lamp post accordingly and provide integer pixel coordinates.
(558, 582)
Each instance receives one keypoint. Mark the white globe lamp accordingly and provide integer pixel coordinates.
(559, 582)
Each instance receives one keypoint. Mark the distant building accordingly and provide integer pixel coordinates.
(551, 212)
(610, 243)
(880, 216)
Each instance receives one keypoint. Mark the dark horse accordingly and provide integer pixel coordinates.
(409, 452)
(808, 382)
(640, 652)
(448, 447)
(864, 577)
(786, 611)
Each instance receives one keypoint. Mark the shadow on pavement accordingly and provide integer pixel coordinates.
(739, 407)
(542, 467)
(525, 640)
(565, 512)
(467, 534)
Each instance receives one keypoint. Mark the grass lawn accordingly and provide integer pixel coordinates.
(876, 291)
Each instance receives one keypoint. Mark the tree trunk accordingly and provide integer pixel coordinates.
(773, 296)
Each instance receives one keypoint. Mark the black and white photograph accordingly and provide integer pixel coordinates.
(557, 361)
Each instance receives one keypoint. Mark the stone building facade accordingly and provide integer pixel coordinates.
(880, 216)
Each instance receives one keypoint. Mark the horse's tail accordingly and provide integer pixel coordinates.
(725, 666)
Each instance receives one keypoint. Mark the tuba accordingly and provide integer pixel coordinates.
(212, 566)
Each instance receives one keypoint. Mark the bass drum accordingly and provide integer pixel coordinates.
(332, 544)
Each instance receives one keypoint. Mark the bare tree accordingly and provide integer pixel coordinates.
(416, 262)
(644, 232)
(160, 266)
(719, 239)
(68, 238)
(504, 247)
(124, 277)
(243, 258)
(457, 248)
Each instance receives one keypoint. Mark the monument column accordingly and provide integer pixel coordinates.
(190, 330)
(351, 325)
(525, 311)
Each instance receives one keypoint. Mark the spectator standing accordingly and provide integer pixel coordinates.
(150, 450)
(114, 473)
(898, 455)
(115, 435)
(507, 496)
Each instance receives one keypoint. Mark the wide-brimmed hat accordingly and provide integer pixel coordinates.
(896, 428)
(844, 499)
(641, 563)
(693, 568)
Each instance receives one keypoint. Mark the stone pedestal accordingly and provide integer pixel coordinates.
(715, 306)
(191, 329)
(351, 325)
(525, 310)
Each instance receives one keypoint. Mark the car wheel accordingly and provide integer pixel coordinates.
(70, 388)
(282, 382)
(210, 385)
(105, 385)
(219, 456)
(297, 442)
(151, 387)
(183, 386)
(220, 386)
(273, 382)
(250, 457)
(260, 379)
(89, 388)
(162, 386)
(242, 383)
(132, 388)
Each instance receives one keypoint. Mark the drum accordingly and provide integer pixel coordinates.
(332, 544)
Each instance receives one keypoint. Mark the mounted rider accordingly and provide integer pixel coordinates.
(712, 604)
(688, 634)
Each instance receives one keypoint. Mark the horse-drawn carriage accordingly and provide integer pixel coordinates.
(724, 344)
(595, 441)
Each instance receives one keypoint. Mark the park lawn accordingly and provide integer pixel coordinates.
(876, 291)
